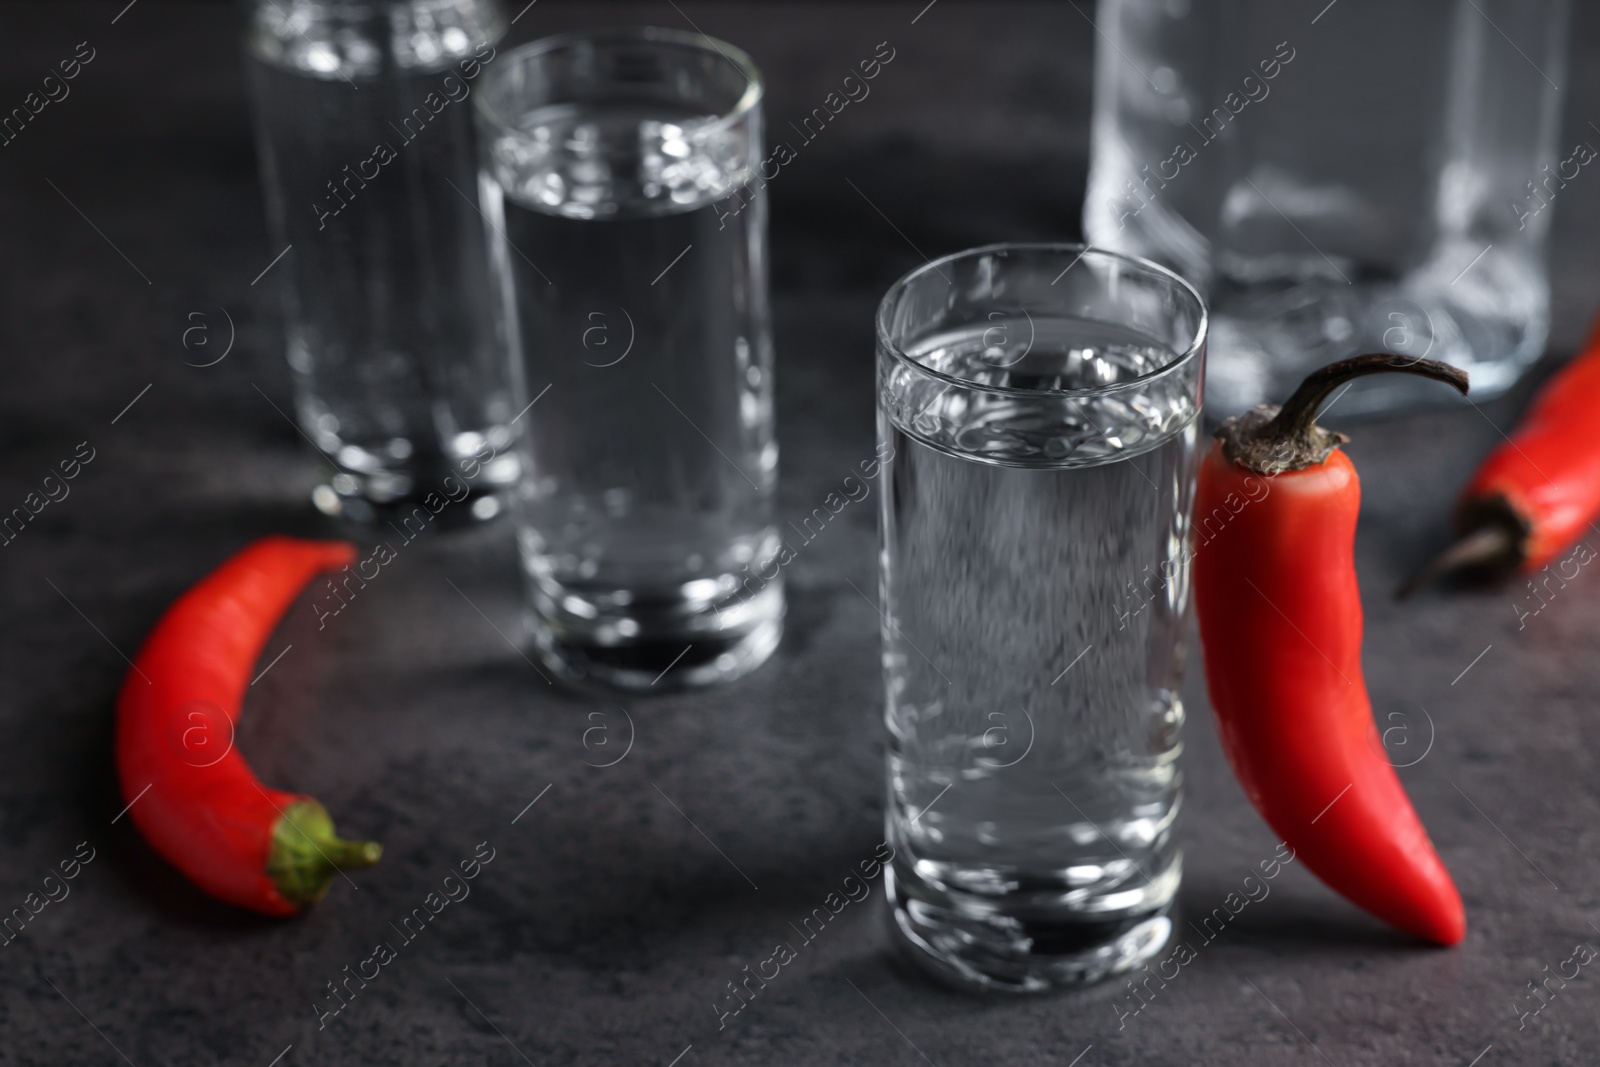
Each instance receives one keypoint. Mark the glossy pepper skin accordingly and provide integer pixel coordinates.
(190, 792)
(1281, 626)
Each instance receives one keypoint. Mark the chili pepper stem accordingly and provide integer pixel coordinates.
(1271, 440)
(1485, 547)
(306, 853)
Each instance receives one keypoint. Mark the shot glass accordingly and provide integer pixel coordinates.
(366, 145)
(1039, 408)
(627, 231)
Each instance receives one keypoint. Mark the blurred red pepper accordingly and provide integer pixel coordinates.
(1540, 490)
(189, 790)
(1280, 622)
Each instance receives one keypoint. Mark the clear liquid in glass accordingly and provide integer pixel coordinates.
(1382, 180)
(368, 152)
(630, 262)
(1035, 589)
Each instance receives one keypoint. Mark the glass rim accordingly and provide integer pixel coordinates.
(755, 87)
(1179, 361)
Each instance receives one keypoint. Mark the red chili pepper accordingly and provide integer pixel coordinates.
(1540, 490)
(1280, 622)
(189, 790)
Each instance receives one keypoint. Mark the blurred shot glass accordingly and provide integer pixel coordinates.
(627, 233)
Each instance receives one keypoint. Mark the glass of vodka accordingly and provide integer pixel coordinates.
(627, 233)
(367, 150)
(1340, 178)
(1039, 407)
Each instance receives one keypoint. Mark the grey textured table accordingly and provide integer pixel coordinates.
(608, 923)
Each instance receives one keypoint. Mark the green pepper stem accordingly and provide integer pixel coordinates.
(351, 855)
(306, 853)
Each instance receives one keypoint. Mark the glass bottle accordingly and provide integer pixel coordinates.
(1350, 176)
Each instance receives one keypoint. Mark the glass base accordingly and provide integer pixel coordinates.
(404, 501)
(1265, 340)
(974, 943)
(654, 646)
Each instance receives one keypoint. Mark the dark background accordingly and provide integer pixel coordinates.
(608, 924)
